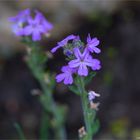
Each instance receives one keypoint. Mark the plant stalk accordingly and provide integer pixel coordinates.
(46, 98)
(86, 111)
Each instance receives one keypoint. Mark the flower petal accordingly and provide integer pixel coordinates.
(68, 80)
(77, 53)
(64, 68)
(96, 64)
(60, 77)
(96, 50)
(74, 63)
(53, 50)
(95, 42)
(83, 71)
(36, 35)
(17, 30)
(67, 69)
(88, 38)
(47, 25)
(40, 28)
(85, 54)
(28, 30)
(89, 61)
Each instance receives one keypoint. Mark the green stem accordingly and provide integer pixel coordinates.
(20, 132)
(46, 98)
(85, 107)
(51, 107)
(44, 129)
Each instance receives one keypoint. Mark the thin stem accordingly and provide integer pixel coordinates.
(46, 98)
(44, 129)
(85, 107)
(20, 132)
(51, 106)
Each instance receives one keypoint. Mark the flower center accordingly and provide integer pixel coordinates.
(34, 25)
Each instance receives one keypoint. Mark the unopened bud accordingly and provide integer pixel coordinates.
(94, 105)
(92, 95)
(82, 132)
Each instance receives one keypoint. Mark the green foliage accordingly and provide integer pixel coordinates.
(92, 124)
(19, 131)
(44, 127)
(53, 116)
(88, 79)
(95, 126)
(74, 89)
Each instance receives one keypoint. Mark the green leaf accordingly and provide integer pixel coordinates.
(89, 77)
(42, 58)
(19, 131)
(74, 89)
(95, 126)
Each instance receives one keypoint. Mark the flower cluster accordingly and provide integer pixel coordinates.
(79, 57)
(26, 25)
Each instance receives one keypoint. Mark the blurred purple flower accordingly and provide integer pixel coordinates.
(82, 61)
(92, 43)
(24, 24)
(19, 21)
(63, 42)
(66, 76)
(37, 26)
(47, 25)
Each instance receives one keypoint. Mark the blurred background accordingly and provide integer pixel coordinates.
(117, 25)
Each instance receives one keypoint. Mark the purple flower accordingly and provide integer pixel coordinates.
(92, 43)
(92, 95)
(47, 25)
(18, 21)
(37, 26)
(82, 61)
(66, 76)
(63, 42)
(26, 25)
(96, 64)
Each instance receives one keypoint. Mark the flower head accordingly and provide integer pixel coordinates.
(79, 58)
(82, 61)
(25, 25)
(19, 21)
(66, 76)
(63, 42)
(92, 43)
(37, 26)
